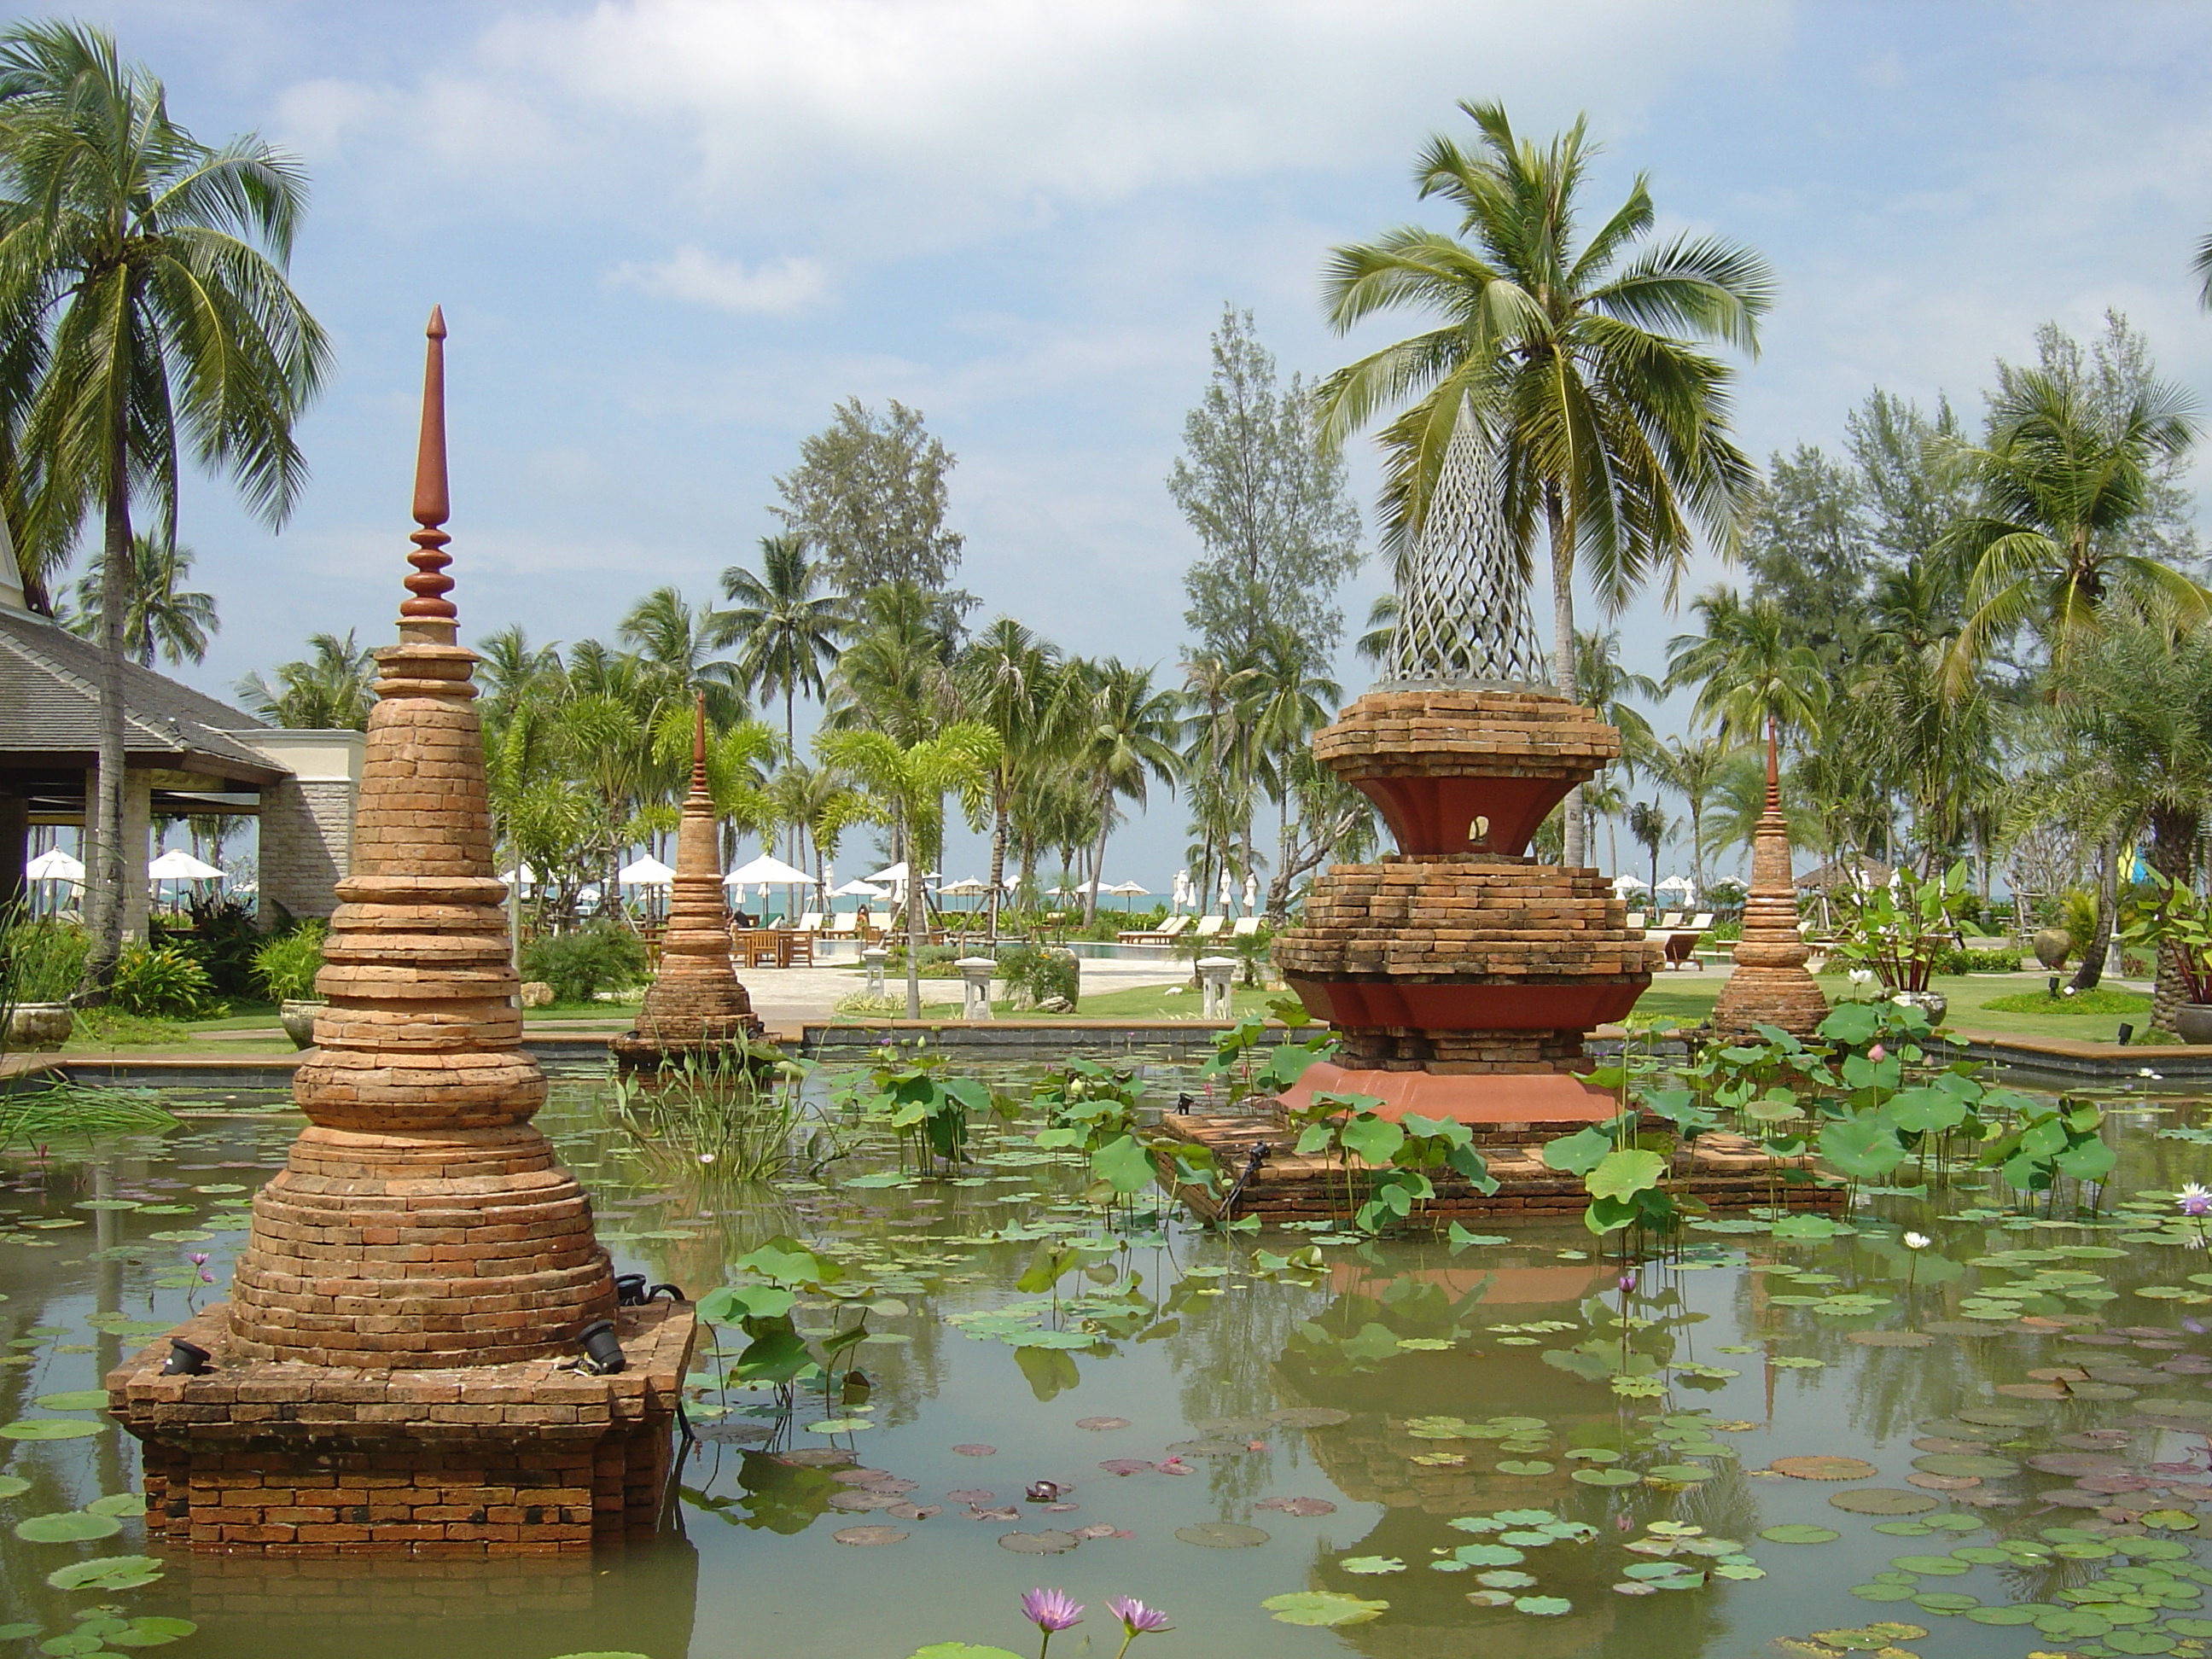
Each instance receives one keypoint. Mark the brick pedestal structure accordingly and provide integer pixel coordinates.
(695, 1005)
(1770, 986)
(422, 1265)
(1461, 974)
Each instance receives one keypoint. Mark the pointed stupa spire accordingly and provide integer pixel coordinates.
(695, 1004)
(421, 1220)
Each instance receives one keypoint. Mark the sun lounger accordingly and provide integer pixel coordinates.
(1208, 927)
(1246, 927)
(1163, 934)
(1671, 919)
(1682, 943)
(1635, 922)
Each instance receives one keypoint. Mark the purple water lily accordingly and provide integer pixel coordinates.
(1137, 1620)
(1051, 1611)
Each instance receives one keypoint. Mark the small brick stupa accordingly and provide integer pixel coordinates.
(396, 1369)
(695, 1006)
(1770, 986)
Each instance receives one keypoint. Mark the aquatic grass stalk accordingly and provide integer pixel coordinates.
(38, 1117)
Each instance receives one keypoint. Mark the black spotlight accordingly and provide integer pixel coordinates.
(630, 1289)
(2054, 985)
(2127, 1035)
(603, 1354)
(185, 1359)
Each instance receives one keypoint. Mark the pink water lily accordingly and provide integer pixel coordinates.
(1051, 1611)
(1137, 1620)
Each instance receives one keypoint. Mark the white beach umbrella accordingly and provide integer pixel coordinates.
(859, 890)
(529, 876)
(54, 865)
(1624, 885)
(768, 871)
(1128, 889)
(177, 864)
(647, 872)
(1251, 893)
(966, 885)
(1681, 884)
(1228, 890)
(894, 874)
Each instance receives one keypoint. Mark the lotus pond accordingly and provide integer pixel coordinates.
(1944, 1427)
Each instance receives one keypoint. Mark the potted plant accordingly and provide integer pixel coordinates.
(40, 964)
(2181, 922)
(287, 966)
(1898, 929)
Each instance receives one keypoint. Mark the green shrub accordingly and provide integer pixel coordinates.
(285, 967)
(1954, 961)
(162, 981)
(2068, 1001)
(222, 937)
(1037, 974)
(601, 956)
(933, 961)
(109, 1027)
(45, 960)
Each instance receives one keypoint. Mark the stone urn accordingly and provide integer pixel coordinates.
(2052, 946)
(298, 1019)
(39, 1025)
(1934, 1004)
(2192, 1021)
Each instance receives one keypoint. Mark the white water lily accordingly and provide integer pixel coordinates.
(1917, 1240)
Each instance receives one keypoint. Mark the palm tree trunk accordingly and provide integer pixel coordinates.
(913, 933)
(105, 862)
(1098, 863)
(1000, 826)
(1563, 658)
(2108, 903)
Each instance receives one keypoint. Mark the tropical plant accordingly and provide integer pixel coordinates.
(1575, 361)
(1900, 934)
(1693, 770)
(1125, 732)
(1010, 680)
(331, 689)
(161, 616)
(786, 628)
(160, 981)
(599, 956)
(286, 965)
(143, 302)
(1649, 827)
(2177, 926)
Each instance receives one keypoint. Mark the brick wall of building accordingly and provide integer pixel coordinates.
(306, 846)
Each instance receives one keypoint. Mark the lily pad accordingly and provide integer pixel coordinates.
(1606, 1477)
(1325, 1608)
(50, 1428)
(1799, 1532)
(1683, 1474)
(1051, 1541)
(869, 1537)
(1971, 1463)
(67, 1526)
(125, 1504)
(1543, 1607)
(1891, 1338)
(1222, 1536)
(76, 1399)
(1372, 1565)
(1824, 1468)
(1882, 1500)
(1305, 1506)
(13, 1485)
(1312, 1416)
(1102, 1424)
(112, 1573)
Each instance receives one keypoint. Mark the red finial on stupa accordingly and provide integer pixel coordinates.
(699, 744)
(428, 586)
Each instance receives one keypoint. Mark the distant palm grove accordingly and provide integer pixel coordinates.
(1977, 633)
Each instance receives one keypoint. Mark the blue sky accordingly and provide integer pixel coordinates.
(669, 234)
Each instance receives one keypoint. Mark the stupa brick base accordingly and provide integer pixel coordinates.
(289, 1458)
(1460, 974)
(1725, 1173)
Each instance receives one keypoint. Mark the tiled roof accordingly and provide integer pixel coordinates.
(50, 704)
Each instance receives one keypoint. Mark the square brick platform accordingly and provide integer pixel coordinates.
(284, 1458)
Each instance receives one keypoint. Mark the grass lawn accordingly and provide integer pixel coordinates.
(1691, 997)
(1152, 1002)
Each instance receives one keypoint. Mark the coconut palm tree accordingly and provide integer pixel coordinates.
(1649, 828)
(1750, 679)
(786, 628)
(908, 784)
(1576, 359)
(2061, 475)
(331, 689)
(676, 642)
(1692, 770)
(1128, 734)
(1010, 680)
(145, 306)
(161, 616)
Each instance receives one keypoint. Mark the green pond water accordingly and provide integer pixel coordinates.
(1429, 1427)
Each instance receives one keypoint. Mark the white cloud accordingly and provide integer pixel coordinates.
(790, 285)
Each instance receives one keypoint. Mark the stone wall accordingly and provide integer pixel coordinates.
(306, 846)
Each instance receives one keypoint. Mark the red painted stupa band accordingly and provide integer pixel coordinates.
(1458, 971)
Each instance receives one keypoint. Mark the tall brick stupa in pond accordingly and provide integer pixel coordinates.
(397, 1367)
(1460, 974)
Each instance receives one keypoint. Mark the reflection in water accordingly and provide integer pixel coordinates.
(1424, 1385)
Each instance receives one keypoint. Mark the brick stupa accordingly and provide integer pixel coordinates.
(395, 1370)
(1460, 973)
(695, 1006)
(1770, 986)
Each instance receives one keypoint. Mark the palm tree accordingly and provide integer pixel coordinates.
(143, 301)
(1649, 828)
(1010, 680)
(1575, 360)
(1694, 771)
(331, 689)
(785, 630)
(908, 783)
(160, 614)
(895, 674)
(1749, 678)
(1290, 700)
(1128, 732)
(2061, 475)
(676, 642)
